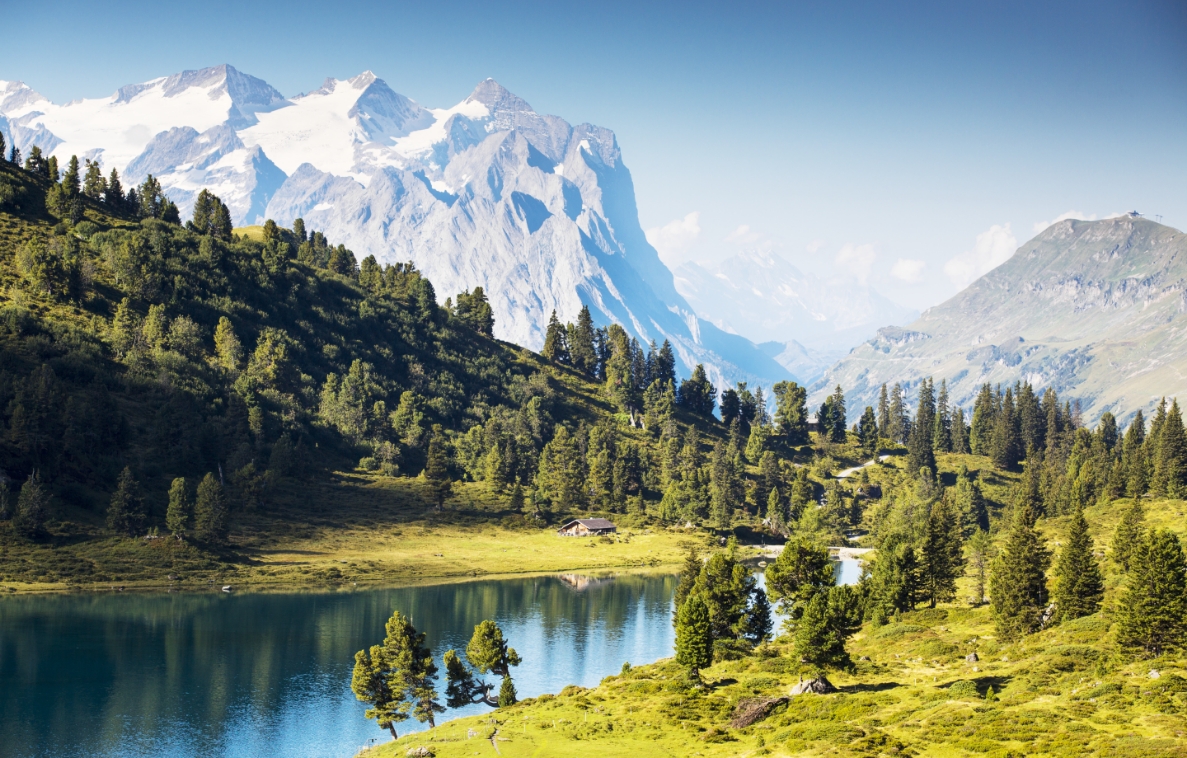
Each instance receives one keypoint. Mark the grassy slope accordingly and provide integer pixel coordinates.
(1065, 691)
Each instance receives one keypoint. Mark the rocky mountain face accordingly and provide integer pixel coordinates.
(489, 193)
(764, 296)
(1095, 309)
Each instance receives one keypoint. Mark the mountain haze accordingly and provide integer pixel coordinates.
(489, 193)
(1095, 309)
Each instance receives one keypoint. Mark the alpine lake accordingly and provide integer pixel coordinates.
(182, 674)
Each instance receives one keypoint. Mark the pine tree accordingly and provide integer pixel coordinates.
(830, 617)
(694, 636)
(791, 412)
(896, 579)
(920, 454)
(942, 559)
(397, 677)
(1079, 586)
(507, 694)
(942, 426)
(127, 513)
(980, 547)
(177, 515)
(71, 180)
(1127, 539)
(32, 509)
(981, 429)
(757, 624)
(437, 468)
(555, 347)
(867, 432)
(1018, 584)
(883, 411)
(581, 344)
(1170, 467)
(227, 347)
(113, 195)
(802, 570)
(211, 515)
(960, 432)
(1006, 445)
(897, 425)
(1134, 457)
(688, 578)
(1152, 612)
(93, 185)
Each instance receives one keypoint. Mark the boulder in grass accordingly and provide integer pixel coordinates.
(819, 686)
(420, 752)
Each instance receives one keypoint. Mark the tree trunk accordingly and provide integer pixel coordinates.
(392, 728)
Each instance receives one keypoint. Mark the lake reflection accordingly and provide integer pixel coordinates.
(248, 675)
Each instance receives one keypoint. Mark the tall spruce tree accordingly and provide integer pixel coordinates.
(1018, 583)
(1079, 586)
(942, 426)
(127, 513)
(179, 511)
(32, 508)
(883, 410)
(920, 454)
(981, 429)
(1127, 538)
(942, 556)
(211, 514)
(694, 636)
(1170, 467)
(1152, 611)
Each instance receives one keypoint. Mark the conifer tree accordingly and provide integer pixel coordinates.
(791, 412)
(507, 694)
(897, 425)
(980, 547)
(981, 429)
(397, 677)
(757, 623)
(1018, 584)
(1079, 586)
(211, 515)
(960, 432)
(1152, 611)
(487, 652)
(71, 180)
(127, 513)
(1127, 538)
(1134, 457)
(867, 432)
(942, 558)
(831, 617)
(919, 445)
(883, 411)
(896, 580)
(6, 504)
(688, 578)
(437, 468)
(32, 508)
(1006, 445)
(555, 344)
(177, 515)
(801, 570)
(227, 347)
(581, 344)
(1170, 467)
(726, 586)
(113, 194)
(93, 184)
(694, 636)
(942, 426)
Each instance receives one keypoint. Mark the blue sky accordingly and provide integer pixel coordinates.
(910, 145)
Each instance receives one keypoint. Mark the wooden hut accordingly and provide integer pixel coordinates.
(587, 527)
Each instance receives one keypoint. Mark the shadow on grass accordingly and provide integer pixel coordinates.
(854, 689)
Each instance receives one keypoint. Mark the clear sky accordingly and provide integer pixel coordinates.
(909, 144)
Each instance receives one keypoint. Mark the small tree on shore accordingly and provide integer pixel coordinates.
(694, 636)
(487, 652)
(397, 678)
(32, 509)
(802, 569)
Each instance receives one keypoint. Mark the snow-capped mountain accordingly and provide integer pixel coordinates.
(488, 193)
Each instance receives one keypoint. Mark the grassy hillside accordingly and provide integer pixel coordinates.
(1068, 690)
(313, 388)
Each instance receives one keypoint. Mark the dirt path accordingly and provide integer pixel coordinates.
(851, 471)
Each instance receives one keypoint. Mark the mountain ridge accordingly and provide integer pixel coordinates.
(1095, 309)
(489, 185)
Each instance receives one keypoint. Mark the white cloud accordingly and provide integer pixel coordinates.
(909, 270)
(993, 247)
(744, 236)
(857, 260)
(673, 240)
(1078, 215)
(814, 246)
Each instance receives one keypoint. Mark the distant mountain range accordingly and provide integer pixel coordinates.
(804, 321)
(489, 193)
(1095, 309)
